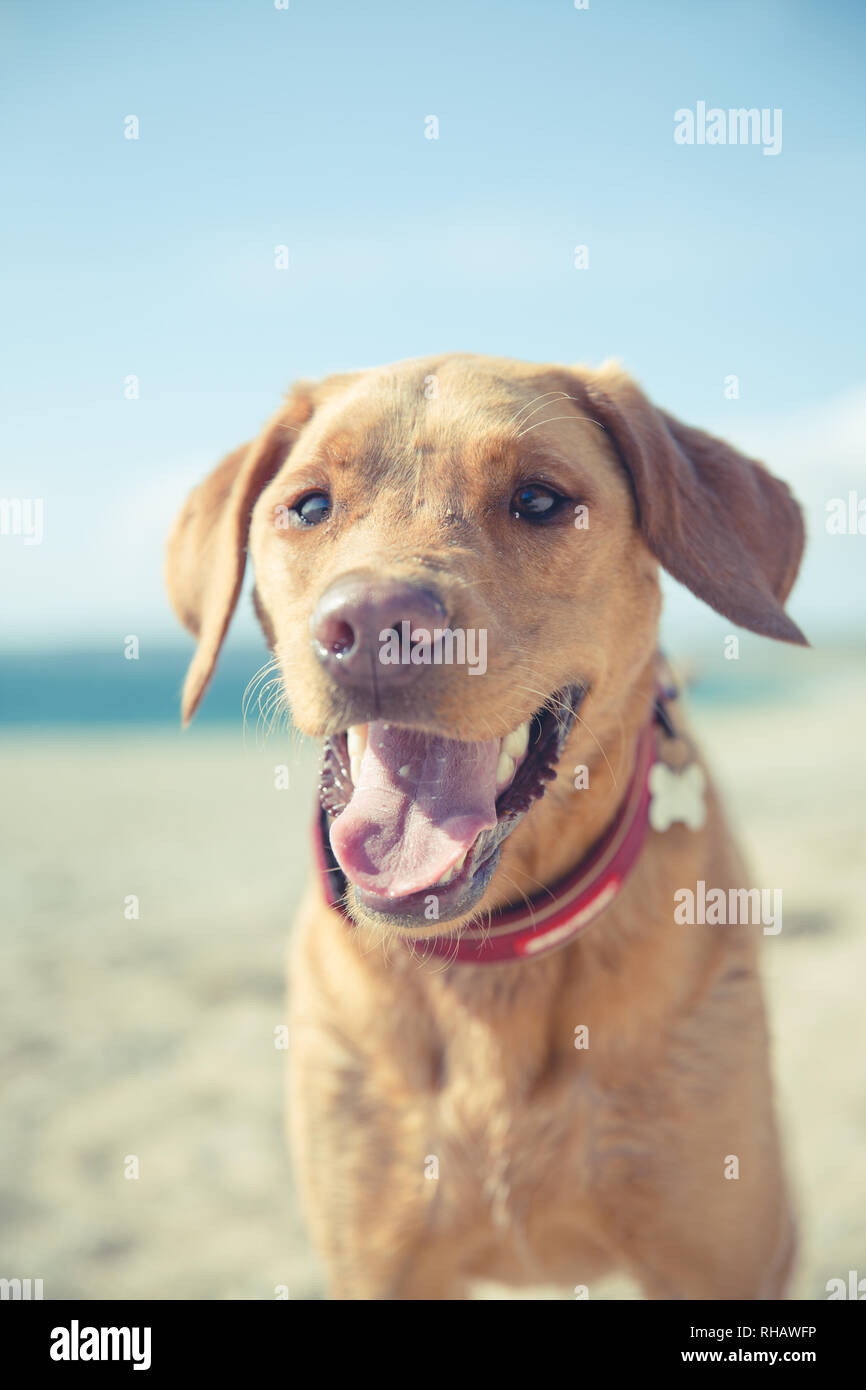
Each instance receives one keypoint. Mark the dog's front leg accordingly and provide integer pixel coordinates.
(726, 1230)
(360, 1169)
(359, 1133)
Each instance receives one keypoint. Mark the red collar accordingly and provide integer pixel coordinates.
(552, 918)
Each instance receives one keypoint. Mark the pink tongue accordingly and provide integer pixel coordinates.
(421, 801)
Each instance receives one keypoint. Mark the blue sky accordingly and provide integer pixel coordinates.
(305, 127)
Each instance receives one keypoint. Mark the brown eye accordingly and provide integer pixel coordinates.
(311, 509)
(536, 502)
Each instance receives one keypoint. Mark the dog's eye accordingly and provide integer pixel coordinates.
(312, 508)
(536, 502)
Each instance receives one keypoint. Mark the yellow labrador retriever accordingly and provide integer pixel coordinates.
(528, 1039)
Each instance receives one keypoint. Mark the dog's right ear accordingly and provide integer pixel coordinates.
(717, 520)
(207, 548)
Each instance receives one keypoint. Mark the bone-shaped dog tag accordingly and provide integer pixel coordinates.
(677, 796)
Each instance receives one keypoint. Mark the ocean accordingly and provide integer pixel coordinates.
(98, 686)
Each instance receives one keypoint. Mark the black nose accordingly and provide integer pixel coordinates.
(353, 613)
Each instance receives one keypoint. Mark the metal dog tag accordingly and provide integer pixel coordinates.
(677, 795)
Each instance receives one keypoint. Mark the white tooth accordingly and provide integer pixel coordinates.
(356, 746)
(504, 770)
(517, 742)
(405, 770)
(452, 873)
(356, 740)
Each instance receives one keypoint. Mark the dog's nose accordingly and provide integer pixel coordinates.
(351, 617)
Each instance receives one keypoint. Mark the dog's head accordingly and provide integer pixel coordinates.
(450, 555)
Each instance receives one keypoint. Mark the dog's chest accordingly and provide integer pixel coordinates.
(513, 1126)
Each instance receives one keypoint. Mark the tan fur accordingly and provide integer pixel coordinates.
(554, 1164)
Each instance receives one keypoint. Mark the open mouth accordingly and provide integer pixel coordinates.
(417, 820)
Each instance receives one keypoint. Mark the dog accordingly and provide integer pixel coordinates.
(509, 1059)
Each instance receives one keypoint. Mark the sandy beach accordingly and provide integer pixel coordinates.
(154, 1037)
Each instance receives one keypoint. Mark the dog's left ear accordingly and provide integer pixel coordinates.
(718, 521)
(207, 549)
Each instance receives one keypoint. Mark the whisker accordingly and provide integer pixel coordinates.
(559, 396)
(556, 419)
(252, 686)
(543, 396)
(552, 703)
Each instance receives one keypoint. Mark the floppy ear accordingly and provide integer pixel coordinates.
(207, 549)
(718, 521)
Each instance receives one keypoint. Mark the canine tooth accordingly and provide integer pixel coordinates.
(504, 769)
(517, 742)
(405, 770)
(454, 870)
(356, 740)
(356, 746)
